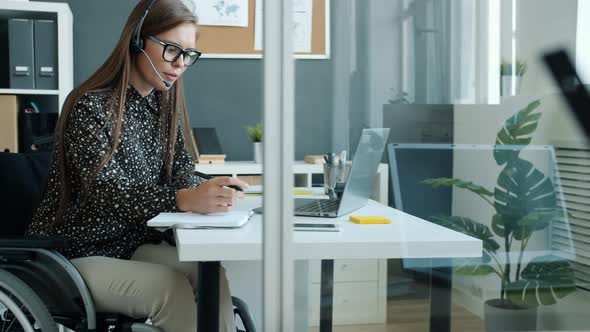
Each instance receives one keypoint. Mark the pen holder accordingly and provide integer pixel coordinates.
(335, 176)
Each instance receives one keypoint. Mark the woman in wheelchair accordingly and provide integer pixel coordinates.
(120, 159)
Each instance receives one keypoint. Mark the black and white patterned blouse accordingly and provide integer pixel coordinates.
(108, 213)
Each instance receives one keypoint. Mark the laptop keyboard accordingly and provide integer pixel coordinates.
(320, 205)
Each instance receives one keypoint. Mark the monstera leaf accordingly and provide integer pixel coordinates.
(469, 227)
(468, 185)
(517, 131)
(534, 221)
(521, 191)
(499, 224)
(538, 219)
(544, 280)
(472, 267)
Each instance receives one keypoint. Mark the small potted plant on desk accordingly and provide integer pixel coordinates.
(511, 77)
(255, 134)
(523, 202)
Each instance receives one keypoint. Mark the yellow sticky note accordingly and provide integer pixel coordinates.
(369, 220)
(302, 192)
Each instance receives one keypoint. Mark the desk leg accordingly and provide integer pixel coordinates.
(208, 297)
(326, 295)
(441, 285)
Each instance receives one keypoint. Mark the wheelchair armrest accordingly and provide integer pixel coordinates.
(34, 242)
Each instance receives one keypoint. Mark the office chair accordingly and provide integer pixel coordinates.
(39, 287)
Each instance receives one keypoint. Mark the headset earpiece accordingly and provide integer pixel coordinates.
(136, 44)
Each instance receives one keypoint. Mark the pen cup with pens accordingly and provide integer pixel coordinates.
(336, 170)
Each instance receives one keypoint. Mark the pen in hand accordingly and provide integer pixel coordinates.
(209, 177)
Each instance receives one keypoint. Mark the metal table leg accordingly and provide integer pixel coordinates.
(441, 285)
(208, 297)
(326, 295)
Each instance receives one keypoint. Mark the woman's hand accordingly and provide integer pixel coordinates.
(210, 196)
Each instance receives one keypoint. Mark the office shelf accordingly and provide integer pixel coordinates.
(29, 92)
(47, 101)
(61, 13)
(235, 168)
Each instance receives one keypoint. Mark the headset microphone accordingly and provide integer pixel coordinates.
(166, 83)
(136, 44)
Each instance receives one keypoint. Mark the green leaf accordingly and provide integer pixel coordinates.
(255, 132)
(524, 198)
(485, 257)
(526, 130)
(449, 182)
(469, 227)
(543, 281)
(538, 220)
(499, 225)
(472, 267)
(516, 131)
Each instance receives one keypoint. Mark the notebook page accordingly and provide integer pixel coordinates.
(195, 220)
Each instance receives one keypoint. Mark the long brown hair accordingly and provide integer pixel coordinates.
(114, 74)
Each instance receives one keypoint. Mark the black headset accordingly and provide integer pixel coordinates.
(136, 40)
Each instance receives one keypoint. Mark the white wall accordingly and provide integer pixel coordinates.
(583, 42)
(541, 25)
(343, 46)
(384, 56)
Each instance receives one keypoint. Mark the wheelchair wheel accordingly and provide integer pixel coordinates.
(20, 308)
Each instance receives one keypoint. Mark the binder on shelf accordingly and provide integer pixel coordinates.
(9, 123)
(45, 55)
(21, 54)
(4, 63)
(207, 147)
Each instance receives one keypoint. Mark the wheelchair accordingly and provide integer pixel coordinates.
(39, 287)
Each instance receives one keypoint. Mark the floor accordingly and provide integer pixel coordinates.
(412, 316)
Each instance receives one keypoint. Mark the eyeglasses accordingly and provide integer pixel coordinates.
(172, 52)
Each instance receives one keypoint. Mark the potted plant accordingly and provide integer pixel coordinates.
(399, 97)
(255, 134)
(523, 202)
(511, 77)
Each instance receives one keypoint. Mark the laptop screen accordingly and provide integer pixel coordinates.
(361, 179)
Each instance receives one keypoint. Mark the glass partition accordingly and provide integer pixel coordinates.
(484, 179)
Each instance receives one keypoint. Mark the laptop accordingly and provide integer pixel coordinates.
(360, 183)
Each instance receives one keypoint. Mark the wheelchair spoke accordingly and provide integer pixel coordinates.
(16, 311)
(9, 326)
(20, 305)
(4, 319)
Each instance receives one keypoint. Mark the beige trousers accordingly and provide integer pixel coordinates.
(154, 285)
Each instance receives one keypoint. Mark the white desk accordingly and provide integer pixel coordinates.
(405, 237)
(349, 274)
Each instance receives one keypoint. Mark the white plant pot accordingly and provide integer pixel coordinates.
(501, 315)
(507, 84)
(258, 152)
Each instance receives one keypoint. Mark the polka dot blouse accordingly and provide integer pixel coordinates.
(108, 213)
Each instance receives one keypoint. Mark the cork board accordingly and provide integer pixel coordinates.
(238, 42)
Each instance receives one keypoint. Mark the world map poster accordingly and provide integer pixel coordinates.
(222, 12)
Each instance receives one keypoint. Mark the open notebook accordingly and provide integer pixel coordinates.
(232, 219)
